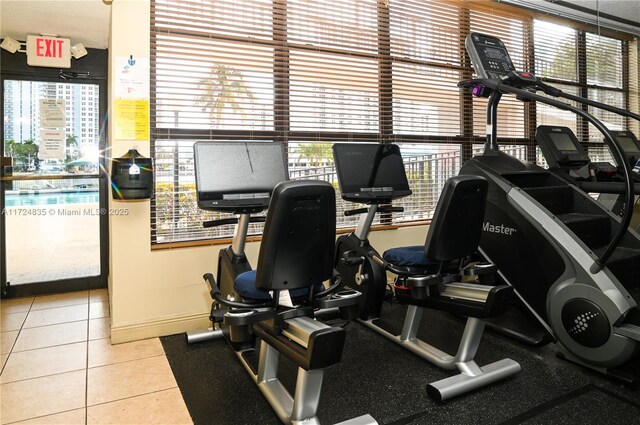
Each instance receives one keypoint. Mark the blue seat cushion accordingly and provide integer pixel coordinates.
(411, 256)
(245, 286)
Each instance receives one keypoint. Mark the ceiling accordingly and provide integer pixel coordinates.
(83, 21)
(87, 21)
(626, 10)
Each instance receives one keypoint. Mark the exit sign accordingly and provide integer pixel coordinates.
(51, 52)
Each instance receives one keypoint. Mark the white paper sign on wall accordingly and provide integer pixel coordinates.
(52, 144)
(52, 113)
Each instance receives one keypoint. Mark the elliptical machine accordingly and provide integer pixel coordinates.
(429, 276)
(275, 303)
(568, 159)
(574, 265)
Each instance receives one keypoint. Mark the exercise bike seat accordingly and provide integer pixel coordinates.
(409, 256)
(245, 286)
(431, 272)
(413, 259)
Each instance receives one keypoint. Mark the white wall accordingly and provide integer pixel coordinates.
(151, 292)
(161, 292)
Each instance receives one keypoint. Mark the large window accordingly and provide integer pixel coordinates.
(583, 64)
(310, 73)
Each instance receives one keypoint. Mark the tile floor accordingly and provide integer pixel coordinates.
(59, 367)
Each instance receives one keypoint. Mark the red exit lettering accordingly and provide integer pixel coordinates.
(48, 48)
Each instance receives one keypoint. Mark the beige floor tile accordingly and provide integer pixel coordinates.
(60, 300)
(100, 328)
(53, 316)
(42, 396)
(49, 336)
(99, 295)
(72, 417)
(102, 353)
(6, 341)
(162, 407)
(12, 321)
(3, 360)
(98, 310)
(17, 305)
(44, 361)
(129, 379)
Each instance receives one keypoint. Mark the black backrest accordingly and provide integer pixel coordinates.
(298, 242)
(457, 222)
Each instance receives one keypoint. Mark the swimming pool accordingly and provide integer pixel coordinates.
(50, 198)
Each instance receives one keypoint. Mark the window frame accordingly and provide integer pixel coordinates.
(385, 58)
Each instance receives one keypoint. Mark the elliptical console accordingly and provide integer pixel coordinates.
(489, 55)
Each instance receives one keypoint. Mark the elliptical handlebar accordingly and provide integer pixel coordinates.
(595, 104)
(606, 187)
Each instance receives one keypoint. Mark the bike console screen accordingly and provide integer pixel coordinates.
(563, 142)
(561, 147)
(629, 144)
(370, 172)
(489, 55)
(238, 175)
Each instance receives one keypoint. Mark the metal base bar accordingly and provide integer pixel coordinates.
(201, 335)
(459, 384)
(471, 375)
(298, 410)
(360, 420)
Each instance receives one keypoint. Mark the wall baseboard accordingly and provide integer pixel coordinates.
(157, 328)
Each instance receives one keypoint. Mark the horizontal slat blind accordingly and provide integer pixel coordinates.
(310, 73)
(226, 18)
(604, 61)
(176, 216)
(209, 84)
(333, 92)
(604, 70)
(349, 25)
(314, 161)
(548, 115)
(428, 166)
(425, 31)
(555, 51)
(426, 100)
(510, 29)
(611, 120)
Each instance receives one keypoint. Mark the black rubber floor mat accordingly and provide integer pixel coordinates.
(590, 404)
(383, 379)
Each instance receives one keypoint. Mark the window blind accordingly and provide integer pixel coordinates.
(510, 111)
(604, 79)
(311, 73)
(583, 64)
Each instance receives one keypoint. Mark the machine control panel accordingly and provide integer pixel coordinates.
(629, 144)
(489, 55)
(561, 147)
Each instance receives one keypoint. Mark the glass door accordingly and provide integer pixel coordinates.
(53, 187)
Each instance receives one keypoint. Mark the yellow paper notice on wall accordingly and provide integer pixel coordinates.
(131, 119)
